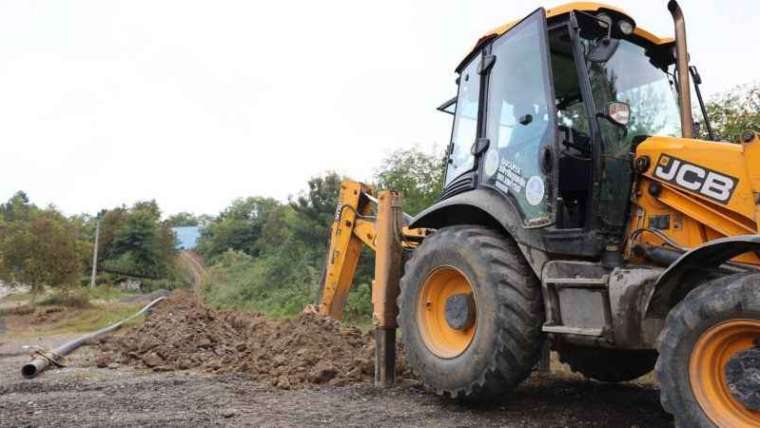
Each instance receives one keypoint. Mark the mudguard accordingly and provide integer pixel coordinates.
(710, 255)
(450, 211)
(485, 207)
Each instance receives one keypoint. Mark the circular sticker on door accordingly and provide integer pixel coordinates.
(534, 190)
(492, 162)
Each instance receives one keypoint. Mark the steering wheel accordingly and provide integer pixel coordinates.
(572, 138)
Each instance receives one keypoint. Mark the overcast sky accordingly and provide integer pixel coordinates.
(196, 103)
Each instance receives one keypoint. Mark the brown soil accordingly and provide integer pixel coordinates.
(183, 334)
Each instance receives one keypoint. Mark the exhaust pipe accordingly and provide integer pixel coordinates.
(43, 359)
(682, 63)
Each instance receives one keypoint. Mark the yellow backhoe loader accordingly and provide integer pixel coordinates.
(578, 210)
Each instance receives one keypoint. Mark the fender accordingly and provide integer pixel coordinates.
(710, 255)
(485, 207)
(486, 204)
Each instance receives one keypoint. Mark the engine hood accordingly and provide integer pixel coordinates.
(725, 175)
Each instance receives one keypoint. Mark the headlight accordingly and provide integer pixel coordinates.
(625, 27)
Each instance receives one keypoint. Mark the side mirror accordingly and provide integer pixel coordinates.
(619, 112)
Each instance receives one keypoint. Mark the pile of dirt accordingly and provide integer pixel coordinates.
(183, 334)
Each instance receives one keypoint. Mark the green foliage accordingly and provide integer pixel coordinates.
(269, 257)
(135, 242)
(71, 299)
(240, 226)
(416, 174)
(359, 304)
(18, 208)
(269, 283)
(735, 112)
(316, 210)
(39, 247)
(182, 219)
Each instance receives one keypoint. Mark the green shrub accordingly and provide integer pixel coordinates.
(69, 298)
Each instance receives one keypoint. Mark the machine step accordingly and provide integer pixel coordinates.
(577, 282)
(561, 329)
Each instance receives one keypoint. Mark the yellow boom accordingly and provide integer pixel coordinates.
(380, 224)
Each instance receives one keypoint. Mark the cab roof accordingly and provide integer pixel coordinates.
(567, 8)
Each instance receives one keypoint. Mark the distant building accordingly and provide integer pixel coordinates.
(187, 236)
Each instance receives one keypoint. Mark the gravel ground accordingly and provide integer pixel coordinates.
(82, 395)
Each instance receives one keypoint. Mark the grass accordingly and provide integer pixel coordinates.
(16, 297)
(95, 318)
(73, 299)
(107, 292)
(74, 320)
(55, 312)
(79, 297)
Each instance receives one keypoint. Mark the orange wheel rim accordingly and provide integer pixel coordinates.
(707, 371)
(440, 338)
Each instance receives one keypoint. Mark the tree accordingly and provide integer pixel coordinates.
(18, 207)
(182, 219)
(315, 210)
(414, 173)
(736, 111)
(134, 241)
(41, 250)
(238, 227)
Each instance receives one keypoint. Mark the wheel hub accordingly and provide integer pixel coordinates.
(724, 372)
(743, 377)
(460, 311)
(446, 312)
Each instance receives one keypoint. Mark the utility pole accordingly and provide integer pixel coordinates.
(95, 255)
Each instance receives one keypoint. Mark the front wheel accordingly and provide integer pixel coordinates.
(709, 364)
(470, 313)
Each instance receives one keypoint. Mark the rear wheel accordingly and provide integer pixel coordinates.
(709, 365)
(607, 365)
(470, 312)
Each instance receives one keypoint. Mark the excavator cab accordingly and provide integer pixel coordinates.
(563, 103)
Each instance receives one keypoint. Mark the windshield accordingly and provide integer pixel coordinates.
(633, 77)
(630, 76)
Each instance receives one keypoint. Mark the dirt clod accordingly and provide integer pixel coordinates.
(103, 359)
(184, 334)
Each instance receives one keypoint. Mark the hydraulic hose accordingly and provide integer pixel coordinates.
(43, 359)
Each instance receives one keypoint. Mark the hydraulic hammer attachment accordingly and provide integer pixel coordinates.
(385, 288)
(380, 224)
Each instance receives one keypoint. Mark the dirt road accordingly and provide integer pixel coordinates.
(193, 263)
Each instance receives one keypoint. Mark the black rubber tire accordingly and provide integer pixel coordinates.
(607, 365)
(508, 339)
(733, 296)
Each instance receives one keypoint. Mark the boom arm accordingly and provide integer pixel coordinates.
(357, 222)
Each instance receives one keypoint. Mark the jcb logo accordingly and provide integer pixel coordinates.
(714, 185)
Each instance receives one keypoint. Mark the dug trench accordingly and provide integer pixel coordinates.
(188, 364)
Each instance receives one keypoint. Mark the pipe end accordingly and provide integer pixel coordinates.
(29, 370)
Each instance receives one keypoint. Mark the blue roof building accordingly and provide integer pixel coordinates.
(187, 236)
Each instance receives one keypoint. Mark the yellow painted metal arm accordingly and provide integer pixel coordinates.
(345, 247)
(355, 224)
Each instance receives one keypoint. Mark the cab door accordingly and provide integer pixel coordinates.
(520, 121)
(465, 128)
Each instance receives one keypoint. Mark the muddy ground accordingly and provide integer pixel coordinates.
(128, 392)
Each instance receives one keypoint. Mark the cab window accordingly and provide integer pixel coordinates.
(465, 129)
(520, 123)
